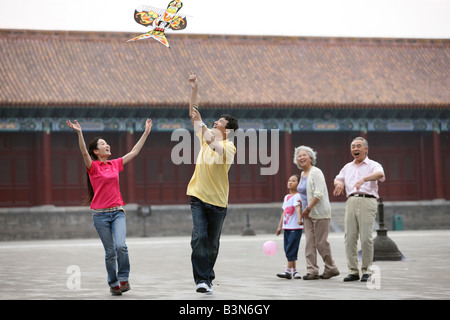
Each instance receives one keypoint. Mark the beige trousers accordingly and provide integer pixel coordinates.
(316, 232)
(360, 216)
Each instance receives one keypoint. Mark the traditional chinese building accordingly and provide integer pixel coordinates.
(320, 92)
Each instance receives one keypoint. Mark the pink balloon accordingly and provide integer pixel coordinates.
(270, 248)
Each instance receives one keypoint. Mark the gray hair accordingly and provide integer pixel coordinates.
(366, 144)
(364, 141)
(312, 154)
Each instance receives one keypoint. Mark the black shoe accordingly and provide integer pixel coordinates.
(284, 275)
(351, 277)
(365, 277)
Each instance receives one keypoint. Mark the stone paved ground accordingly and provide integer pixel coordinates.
(161, 270)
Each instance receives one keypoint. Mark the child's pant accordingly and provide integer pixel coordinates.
(291, 243)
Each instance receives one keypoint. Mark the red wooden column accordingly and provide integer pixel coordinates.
(425, 187)
(288, 156)
(437, 158)
(129, 170)
(47, 167)
(363, 134)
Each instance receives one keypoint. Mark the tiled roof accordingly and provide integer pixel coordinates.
(88, 69)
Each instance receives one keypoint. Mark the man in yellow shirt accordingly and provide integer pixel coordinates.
(209, 188)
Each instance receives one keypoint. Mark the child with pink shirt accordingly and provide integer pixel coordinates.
(292, 225)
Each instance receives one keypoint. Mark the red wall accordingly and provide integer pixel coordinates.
(153, 179)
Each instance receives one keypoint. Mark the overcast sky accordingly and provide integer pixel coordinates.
(349, 18)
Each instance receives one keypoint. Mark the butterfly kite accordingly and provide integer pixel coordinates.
(160, 20)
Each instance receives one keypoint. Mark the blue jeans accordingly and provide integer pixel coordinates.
(291, 243)
(111, 227)
(208, 221)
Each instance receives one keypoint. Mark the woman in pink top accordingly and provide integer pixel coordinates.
(106, 203)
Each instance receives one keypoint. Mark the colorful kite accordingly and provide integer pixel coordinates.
(160, 20)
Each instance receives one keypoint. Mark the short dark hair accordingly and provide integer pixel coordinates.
(232, 122)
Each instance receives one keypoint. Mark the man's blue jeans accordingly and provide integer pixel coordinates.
(111, 227)
(208, 221)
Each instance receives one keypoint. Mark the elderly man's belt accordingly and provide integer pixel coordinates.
(362, 195)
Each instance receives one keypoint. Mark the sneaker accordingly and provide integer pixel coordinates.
(203, 288)
(209, 291)
(285, 275)
(115, 291)
(124, 286)
(297, 275)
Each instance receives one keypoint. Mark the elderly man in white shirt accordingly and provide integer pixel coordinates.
(360, 179)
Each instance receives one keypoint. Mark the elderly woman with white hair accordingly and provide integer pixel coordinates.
(316, 214)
